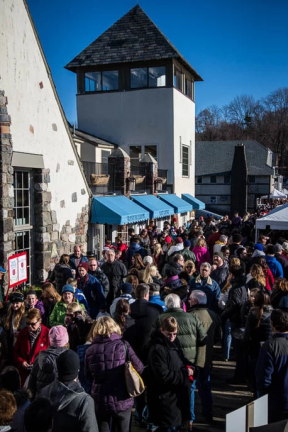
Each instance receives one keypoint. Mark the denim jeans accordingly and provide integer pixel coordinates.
(227, 339)
(204, 390)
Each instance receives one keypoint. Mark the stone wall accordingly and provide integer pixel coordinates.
(7, 235)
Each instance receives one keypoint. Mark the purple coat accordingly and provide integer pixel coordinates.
(104, 366)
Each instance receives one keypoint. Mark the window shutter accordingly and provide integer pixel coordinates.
(180, 141)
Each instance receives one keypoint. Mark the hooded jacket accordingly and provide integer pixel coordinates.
(133, 249)
(202, 255)
(74, 407)
(60, 275)
(44, 369)
(57, 316)
(275, 266)
(93, 291)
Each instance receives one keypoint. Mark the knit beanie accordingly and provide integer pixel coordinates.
(178, 240)
(68, 365)
(84, 265)
(258, 246)
(219, 254)
(187, 243)
(126, 288)
(58, 336)
(168, 239)
(147, 260)
(68, 288)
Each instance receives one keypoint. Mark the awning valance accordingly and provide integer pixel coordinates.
(117, 210)
(179, 205)
(197, 204)
(156, 207)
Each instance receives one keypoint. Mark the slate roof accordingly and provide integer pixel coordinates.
(134, 37)
(91, 138)
(216, 157)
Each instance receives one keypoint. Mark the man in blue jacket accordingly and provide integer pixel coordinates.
(92, 290)
(204, 283)
(273, 264)
(272, 368)
(77, 258)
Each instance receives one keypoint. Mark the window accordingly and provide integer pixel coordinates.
(226, 179)
(144, 77)
(251, 179)
(22, 215)
(177, 79)
(188, 88)
(213, 200)
(199, 179)
(104, 156)
(101, 81)
(157, 76)
(185, 161)
(213, 179)
(135, 155)
(152, 149)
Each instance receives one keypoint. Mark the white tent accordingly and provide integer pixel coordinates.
(275, 194)
(277, 219)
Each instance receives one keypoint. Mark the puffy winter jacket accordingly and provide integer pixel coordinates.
(93, 292)
(57, 316)
(104, 366)
(102, 278)
(202, 255)
(275, 266)
(190, 331)
(74, 407)
(115, 273)
(60, 275)
(44, 369)
(220, 275)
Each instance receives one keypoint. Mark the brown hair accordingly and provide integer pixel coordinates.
(133, 280)
(19, 315)
(138, 262)
(281, 284)
(32, 314)
(121, 311)
(201, 242)
(261, 300)
(72, 282)
(64, 259)
(8, 407)
(49, 291)
(169, 324)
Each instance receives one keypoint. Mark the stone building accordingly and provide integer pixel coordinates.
(45, 198)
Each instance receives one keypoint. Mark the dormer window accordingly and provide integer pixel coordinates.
(148, 77)
(101, 81)
(177, 79)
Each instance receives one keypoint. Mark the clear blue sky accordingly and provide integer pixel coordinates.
(237, 46)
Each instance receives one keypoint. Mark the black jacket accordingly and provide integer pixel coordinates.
(102, 278)
(237, 296)
(44, 369)
(144, 314)
(115, 273)
(168, 393)
(60, 275)
(74, 407)
(220, 275)
(276, 297)
(254, 335)
(284, 264)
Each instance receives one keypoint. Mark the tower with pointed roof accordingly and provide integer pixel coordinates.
(135, 89)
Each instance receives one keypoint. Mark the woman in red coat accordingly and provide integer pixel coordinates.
(30, 341)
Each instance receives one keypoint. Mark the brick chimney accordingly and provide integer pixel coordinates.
(239, 174)
(151, 169)
(119, 167)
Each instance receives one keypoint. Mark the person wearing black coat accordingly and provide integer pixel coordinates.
(168, 394)
(95, 271)
(115, 272)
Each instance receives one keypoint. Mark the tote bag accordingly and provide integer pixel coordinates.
(134, 383)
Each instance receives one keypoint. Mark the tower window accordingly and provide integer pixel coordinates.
(177, 79)
(101, 81)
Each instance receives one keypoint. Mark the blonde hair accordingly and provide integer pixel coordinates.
(19, 315)
(157, 249)
(75, 307)
(105, 326)
(258, 274)
(72, 282)
(235, 261)
(147, 274)
(189, 263)
(169, 324)
(202, 243)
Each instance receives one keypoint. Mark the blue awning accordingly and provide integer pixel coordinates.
(197, 204)
(117, 210)
(156, 207)
(179, 205)
(207, 213)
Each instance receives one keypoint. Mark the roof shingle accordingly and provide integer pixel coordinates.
(133, 38)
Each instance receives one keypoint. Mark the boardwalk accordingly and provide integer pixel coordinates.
(226, 397)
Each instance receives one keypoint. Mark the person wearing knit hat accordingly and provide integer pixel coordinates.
(44, 369)
(168, 239)
(15, 318)
(126, 290)
(178, 248)
(188, 255)
(74, 408)
(57, 316)
(92, 289)
(274, 265)
(220, 269)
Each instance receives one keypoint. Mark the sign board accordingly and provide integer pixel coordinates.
(17, 269)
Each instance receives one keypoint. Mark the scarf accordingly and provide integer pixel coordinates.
(33, 336)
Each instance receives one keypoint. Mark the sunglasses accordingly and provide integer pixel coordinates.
(32, 324)
(188, 266)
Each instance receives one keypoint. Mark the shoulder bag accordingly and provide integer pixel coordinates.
(134, 383)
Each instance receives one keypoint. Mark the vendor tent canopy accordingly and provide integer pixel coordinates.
(157, 208)
(197, 204)
(277, 219)
(274, 195)
(117, 210)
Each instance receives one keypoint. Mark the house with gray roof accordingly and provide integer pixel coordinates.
(231, 175)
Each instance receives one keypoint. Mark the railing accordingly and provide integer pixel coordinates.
(140, 171)
(164, 174)
(100, 169)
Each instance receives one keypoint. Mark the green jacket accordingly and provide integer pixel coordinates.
(188, 255)
(57, 316)
(212, 325)
(190, 331)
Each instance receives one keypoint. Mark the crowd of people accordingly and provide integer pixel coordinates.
(163, 302)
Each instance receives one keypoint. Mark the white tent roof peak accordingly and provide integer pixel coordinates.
(277, 219)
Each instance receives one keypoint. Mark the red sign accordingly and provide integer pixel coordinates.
(17, 269)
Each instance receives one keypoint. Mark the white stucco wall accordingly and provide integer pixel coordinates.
(131, 118)
(21, 70)
(184, 127)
